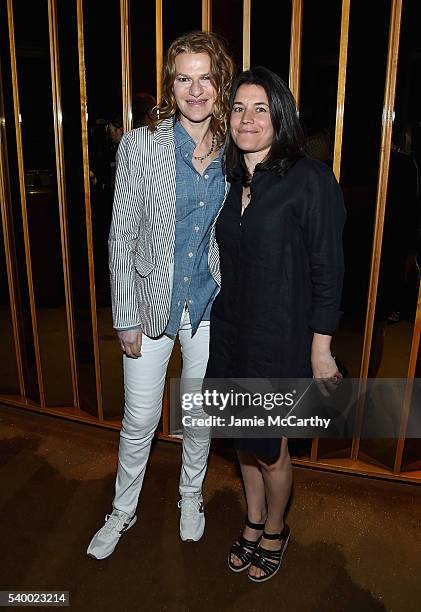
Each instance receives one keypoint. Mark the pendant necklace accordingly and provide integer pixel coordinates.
(201, 158)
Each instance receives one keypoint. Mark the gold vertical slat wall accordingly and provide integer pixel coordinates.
(246, 33)
(61, 184)
(295, 51)
(339, 125)
(206, 15)
(23, 201)
(159, 48)
(351, 464)
(340, 100)
(126, 74)
(386, 141)
(9, 251)
(88, 208)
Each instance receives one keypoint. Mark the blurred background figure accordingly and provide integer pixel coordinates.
(398, 277)
(106, 137)
(143, 103)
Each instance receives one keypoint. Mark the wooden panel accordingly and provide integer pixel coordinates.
(387, 125)
(61, 190)
(206, 15)
(295, 51)
(6, 217)
(386, 139)
(246, 34)
(126, 70)
(88, 211)
(340, 101)
(159, 49)
(415, 345)
(22, 189)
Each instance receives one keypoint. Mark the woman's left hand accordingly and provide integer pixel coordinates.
(325, 372)
(324, 366)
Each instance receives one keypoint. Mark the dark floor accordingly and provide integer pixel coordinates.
(355, 547)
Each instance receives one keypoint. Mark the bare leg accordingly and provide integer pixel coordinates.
(255, 496)
(277, 478)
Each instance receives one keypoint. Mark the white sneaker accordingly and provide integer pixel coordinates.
(106, 539)
(192, 519)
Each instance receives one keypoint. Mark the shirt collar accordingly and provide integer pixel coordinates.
(181, 136)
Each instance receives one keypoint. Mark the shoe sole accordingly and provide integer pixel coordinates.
(237, 570)
(279, 564)
(192, 539)
(91, 556)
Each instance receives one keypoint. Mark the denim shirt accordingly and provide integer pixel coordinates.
(198, 199)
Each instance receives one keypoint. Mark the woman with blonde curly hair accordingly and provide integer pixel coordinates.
(164, 267)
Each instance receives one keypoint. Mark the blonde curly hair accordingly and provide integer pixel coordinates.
(221, 75)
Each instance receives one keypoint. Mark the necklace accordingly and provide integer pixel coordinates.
(202, 158)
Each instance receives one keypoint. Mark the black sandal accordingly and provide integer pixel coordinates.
(244, 549)
(270, 560)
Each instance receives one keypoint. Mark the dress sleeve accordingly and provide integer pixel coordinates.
(323, 226)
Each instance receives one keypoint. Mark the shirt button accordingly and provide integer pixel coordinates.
(178, 303)
(196, 229)
(186, 155)
(190, 254)
(190, 301)
(186, 278)
(206, 177)
(201, 203)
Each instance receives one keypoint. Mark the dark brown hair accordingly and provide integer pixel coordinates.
(288, 139)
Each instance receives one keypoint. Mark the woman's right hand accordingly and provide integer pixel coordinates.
(131, 342)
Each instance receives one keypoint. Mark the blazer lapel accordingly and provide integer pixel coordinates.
(164, 177)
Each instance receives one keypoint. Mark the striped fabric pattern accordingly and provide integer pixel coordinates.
(142, 235)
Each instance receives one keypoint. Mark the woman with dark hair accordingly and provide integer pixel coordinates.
(280, 242)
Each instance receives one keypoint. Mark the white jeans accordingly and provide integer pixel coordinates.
(144, 380)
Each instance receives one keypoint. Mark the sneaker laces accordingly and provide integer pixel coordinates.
(189, 506)
(115, 522)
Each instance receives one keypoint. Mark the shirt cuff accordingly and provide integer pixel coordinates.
(325, 321)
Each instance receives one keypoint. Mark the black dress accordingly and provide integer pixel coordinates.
(282, 270)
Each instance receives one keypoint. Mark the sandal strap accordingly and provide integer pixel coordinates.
(256, 526)
(277, 536)
(272, 536)
(266, 560)
(244, 549)
(268, 554)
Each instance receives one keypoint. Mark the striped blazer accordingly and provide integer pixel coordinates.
(142, 235)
